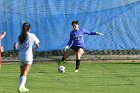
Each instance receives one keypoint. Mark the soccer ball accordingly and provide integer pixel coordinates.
(61, 69)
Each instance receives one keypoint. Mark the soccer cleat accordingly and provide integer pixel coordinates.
(23, 90)
(76, 70)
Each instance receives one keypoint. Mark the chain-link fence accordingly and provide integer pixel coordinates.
(55, 56)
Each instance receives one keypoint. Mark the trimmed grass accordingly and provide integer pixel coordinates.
(91, 78)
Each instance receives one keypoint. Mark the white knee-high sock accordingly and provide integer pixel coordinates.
(22, 81)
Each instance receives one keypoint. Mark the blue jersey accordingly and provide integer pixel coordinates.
(76, 37)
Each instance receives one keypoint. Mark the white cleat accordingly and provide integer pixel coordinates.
(23, 90)
(76, 70)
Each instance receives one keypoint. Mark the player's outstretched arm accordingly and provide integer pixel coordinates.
(69, 43)
(92, 33)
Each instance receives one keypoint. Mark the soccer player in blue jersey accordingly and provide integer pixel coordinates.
(76, 43)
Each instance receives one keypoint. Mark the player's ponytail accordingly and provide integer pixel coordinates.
(23, 35)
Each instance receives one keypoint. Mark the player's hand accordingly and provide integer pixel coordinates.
(66, 48)
(101, 34)
(3, 32)
(98, 33)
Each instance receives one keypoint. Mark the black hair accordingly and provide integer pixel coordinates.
(25, 28)
(75, 22)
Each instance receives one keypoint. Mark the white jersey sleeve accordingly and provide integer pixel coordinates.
(36, 40)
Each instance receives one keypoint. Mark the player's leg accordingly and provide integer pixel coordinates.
(24, 71)
(22, 67)
(66, 55)
(79, 54)
(0, 59)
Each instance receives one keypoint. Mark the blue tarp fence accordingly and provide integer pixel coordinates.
(118, 20)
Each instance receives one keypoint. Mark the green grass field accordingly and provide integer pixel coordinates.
(91, 78)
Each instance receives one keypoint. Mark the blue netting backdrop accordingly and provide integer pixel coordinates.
(51, 21)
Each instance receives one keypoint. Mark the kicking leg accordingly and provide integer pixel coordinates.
(66, 55)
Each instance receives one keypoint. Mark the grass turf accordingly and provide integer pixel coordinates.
(91, 78)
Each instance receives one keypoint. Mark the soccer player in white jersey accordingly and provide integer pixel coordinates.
(25, 43)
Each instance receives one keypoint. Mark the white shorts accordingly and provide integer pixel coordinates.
(25, 62)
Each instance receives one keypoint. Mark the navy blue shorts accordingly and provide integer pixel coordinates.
(76, 48)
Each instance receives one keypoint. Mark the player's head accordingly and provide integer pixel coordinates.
(75, 25)
(25, 28)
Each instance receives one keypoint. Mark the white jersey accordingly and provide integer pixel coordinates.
(25, 49)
